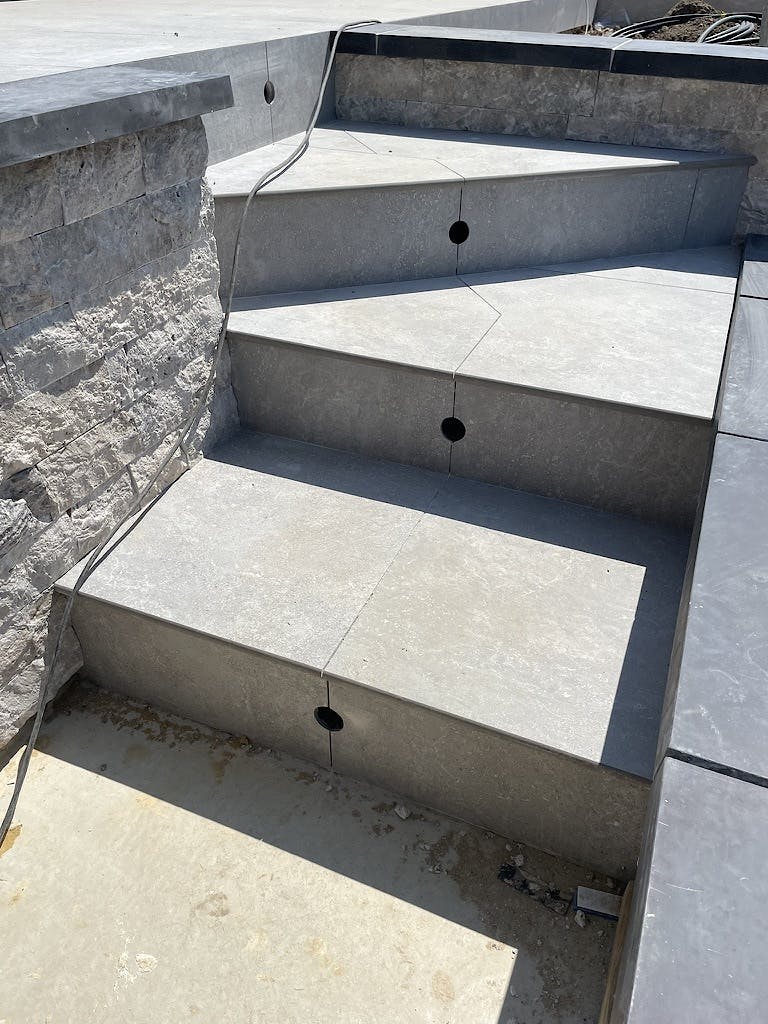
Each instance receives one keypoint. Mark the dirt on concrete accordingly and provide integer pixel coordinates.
(687, 31)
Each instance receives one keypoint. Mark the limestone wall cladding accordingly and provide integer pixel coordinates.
(562, 103)
(109, 315)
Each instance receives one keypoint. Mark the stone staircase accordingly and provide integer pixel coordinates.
(476, 377)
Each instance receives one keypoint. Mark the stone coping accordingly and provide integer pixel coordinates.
(55, 113)
(549, 49)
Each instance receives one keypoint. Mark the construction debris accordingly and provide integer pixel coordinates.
(402, 811)
(600, 904)
(549, 896)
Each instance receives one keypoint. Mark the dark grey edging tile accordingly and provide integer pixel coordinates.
(754, 274)
(744, 392)
(630, 57)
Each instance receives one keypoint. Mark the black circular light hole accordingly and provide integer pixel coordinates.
(458, 232)
(329, 719)
(453, 429)
(269, 91)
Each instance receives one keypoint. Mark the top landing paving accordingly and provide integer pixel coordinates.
(45, 37)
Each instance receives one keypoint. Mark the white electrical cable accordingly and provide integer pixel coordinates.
(185, 434)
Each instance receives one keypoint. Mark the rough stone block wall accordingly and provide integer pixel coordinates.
(562, 103)
(109, 315)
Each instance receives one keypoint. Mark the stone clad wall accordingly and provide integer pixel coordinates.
(563, 103)
(109, 315)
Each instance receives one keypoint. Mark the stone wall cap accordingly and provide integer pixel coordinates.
(552, 49)
(55, 113)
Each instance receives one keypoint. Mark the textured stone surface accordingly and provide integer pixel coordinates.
(110, 322)
(95, 178)
(31, 200)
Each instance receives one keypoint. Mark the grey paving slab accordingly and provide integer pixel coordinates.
(245, 125)
(296, 66)
(754, 274)
(609, 456)
(432, 324)
(190, 673)
(716, 202)
(383, 410)
(646, 345)
(520, 791)
(712, 268)
(253, 534)
(695, 950)
(322, 170)
(483, 155)
(52, 114)
(744, 402)
(538, 619)
(536, 221)
(368, 235)
(201, 848)
(717, 705)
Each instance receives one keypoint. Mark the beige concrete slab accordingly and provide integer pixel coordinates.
(428, 324)
(603, 336)
(159, 872)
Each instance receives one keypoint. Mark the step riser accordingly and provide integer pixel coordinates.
(587, 814)
(310, 240)
(594, 453)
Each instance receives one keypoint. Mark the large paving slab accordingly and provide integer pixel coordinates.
(223, 882)
(576, 331)
(695, 950)
(717, 707)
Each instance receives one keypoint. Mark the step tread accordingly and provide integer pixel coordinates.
(533, 617)
(647, 331)
(344, 155)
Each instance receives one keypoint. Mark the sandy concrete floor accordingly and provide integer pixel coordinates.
(162, 872)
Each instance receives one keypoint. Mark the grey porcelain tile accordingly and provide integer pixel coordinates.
(602, 337)
(717, 705)
(613, 457)
(716, 202)
(254, 533)
(378, 409)
(590, 815)
(754, 274)
(538, 221)
(332, 240)
(744, 402)
(429, 323)
(295, 67)
(712, 268)
(336, 239)
(541, 620)
(228, 687)
(695, 949)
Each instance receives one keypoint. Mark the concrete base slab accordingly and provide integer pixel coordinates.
(159, 871)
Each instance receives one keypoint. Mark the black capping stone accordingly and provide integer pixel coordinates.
(55, 113)
(744, 399)
(551, 49)
(358, 41)
(754, 274)
(546, 49)
(692, 60)
(716, 707)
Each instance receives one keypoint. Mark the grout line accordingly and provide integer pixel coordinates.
(376, 585)
(269, 105)
(717, 768)
(743, 437)
(694, 190)
(474, 347)
(453, 413)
